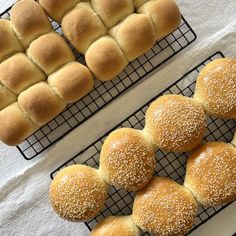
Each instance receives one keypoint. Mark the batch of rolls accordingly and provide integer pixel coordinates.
(38, 72)
(173, 123)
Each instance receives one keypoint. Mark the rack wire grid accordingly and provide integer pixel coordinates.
(119, 201)
(104, 92)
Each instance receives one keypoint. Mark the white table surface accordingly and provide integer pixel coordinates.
(206, 19)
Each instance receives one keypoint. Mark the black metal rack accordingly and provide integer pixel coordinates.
(104, 92)
(119, 202)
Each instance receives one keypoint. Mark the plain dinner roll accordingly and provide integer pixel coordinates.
(78, 193)
(135, 35)
(56, 9)
(127, 160)
(9, 44)
(50, 52)
(216, 88)
(116, 226)
(111, 12)
(165, 208)
(82, 26)
(29, 21)
(40, 103)
(165, 15)
(72, 82)
(6, 96)
(138, 3)
(176, 123)
(15, 126)
(211, 173)
(18, 73)
(105, 58)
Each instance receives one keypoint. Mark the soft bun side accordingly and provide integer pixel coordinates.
(116, 226)
(40, 103)
(138, 3)
(135, 35)
(165, 208)
(127, 160)
(175, 123)
(72, 82)
(9, 43)
(56, 9)
(29, 21)
(15, 126)
(211, 173)
(216, 88)
(77, 193)
(6, 96)
(165, 15)
(105, 58)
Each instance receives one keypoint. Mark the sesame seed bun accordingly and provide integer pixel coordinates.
(176, 123)
(127, 160)
(211, 173)
(165, 208)
(116, 226)
(216, 88)
(78, 193)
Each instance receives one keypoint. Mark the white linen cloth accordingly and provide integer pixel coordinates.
(24, 206)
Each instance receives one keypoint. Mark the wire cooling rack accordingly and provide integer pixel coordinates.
(119, 201)
(104, 92)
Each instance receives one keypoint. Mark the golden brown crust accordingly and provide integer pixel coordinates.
(82, 26)
(105, 58)
(211, 173)
(29, 21)
(40, 103)
(9, 44)
(18, 73)
(6, 96)
(165, 208)
(165, 15)
(127, 160)
(176, 123)
(72, 82)
(116, 226)
(50, 52)
(135, 35)
(216, 88)
(77, 193)
(15, 126)
(111, 12)
(56, 9)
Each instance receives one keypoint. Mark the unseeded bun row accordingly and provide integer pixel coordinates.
(46, 78)
(112, 33)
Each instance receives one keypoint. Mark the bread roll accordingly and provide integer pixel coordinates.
(29, 21)
(164, 208)
(40, 103)
(211, 173)
(135, 35)
(72, 82)
(15, 126)
(105, 58)
(56, 9)
(78, 193)
(9, 44)
(127, 160)
(176, 123)
(165, 15)
(82, 26)
(6, 96)
(138, 3)
(18, 73)
(111, 12)
(116, 226)
(50, 52)
(216, 88)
